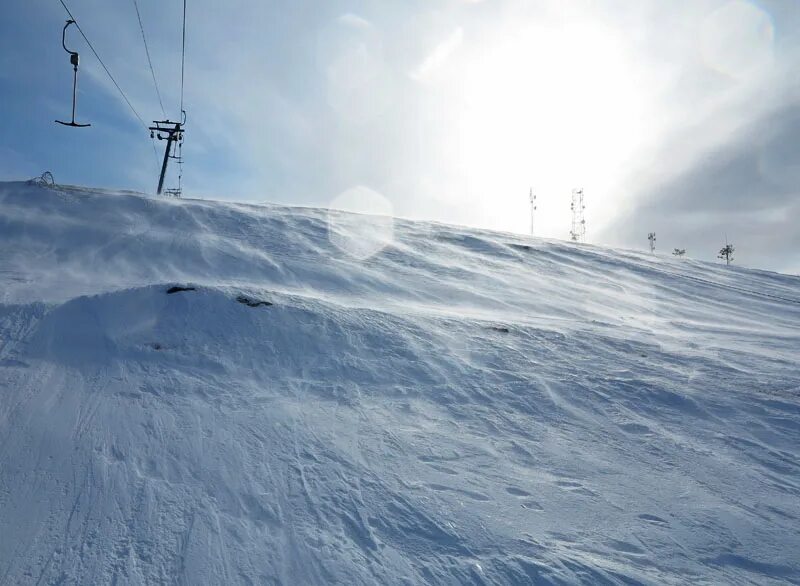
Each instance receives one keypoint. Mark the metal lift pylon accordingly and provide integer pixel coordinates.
(172, 133)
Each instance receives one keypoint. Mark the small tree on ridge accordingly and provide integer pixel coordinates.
(726, 253)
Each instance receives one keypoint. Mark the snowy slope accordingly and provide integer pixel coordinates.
(464, 407)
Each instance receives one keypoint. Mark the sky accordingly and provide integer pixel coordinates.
(678, 117)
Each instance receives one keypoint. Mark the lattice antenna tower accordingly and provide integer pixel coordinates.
(578, 232)
(533, 209)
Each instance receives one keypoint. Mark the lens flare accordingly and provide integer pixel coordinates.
(360, 222)
(737, 40)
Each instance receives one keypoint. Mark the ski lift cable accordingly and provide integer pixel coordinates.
(182, 112)
(180, 165)
(152, 73)
(149, 60)
(111, 77)
(183, 53)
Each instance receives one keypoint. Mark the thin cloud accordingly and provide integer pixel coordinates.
(354, 21)
(742, 189)
(439, 56)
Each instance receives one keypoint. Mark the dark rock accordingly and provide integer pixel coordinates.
(252, 302)
(173, 290)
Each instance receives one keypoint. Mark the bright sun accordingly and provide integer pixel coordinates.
(555, 109)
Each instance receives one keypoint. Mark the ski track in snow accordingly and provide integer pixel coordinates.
(465, 407)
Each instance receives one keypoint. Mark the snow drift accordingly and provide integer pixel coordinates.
(464, 407)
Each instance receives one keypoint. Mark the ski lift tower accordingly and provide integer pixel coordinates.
(578, 232)
(172, 132)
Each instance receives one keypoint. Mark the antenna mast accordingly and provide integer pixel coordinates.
(533, 209)
(578, 232)
(652, 238)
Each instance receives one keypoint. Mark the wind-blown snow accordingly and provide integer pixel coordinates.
(464, 407)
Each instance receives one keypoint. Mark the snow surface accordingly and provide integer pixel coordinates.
(464, 407)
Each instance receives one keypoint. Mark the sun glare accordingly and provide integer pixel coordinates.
(555, 109)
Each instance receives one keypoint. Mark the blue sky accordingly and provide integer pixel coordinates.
(678, 117)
